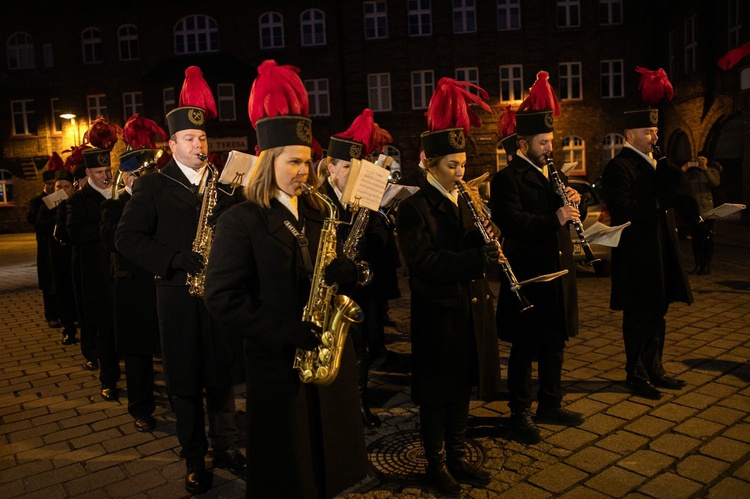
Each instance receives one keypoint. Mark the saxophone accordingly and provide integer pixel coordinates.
(361, 218)
(204, 236)
(333, 313)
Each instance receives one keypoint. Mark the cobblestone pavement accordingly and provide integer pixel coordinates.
(58, 438)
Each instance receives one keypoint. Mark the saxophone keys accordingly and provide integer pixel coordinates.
(327, 339)
(306, 375)
(322, 372)
(324, 355)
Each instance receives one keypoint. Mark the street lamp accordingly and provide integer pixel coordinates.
(72, 118)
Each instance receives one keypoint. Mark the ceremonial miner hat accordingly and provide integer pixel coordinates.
(361, 139)
(54, 164)
(654, 86)
(535, 114)
(506, 130)
(102, 135)
(140, 135)
(196, 104)
(64, 175)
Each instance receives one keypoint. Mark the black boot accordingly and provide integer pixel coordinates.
(438, 478)
(697, 244)
(369, 419)
(708, 253)
(456, 418)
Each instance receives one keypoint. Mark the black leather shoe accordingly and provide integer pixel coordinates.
(231, 459)
(439, 479)
(110, 394)
(643, 388)
(665, 381)
(144, 425)
(559, 415)
(68, 339)
(524, 427)
(465, 472)
(91, 365)
(197, 479)
(370, 420)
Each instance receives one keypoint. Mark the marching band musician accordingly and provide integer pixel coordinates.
(454, 342)
(304, 440)
(537, 241)
(156, 232)
(360, 140)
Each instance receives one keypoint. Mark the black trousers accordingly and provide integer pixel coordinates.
(643, 332)
(222, 428)
(139, 379)
(109, 362)
(549, 358)
(443, 426)
(50, 305)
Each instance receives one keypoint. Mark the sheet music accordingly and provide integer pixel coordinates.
(366, 185)
(54, 199)
(724, 210)
(567, 167)
(395, 193)
(237, 169)
(604, 234)
(544, 278)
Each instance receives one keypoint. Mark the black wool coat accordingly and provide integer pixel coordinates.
(303, 440)
(647, 270)
(454, 341)
(524, 206)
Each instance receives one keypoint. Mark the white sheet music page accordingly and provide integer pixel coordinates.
(366, 185)
(54, 199)
(237, 169)
(724, 210)
(604, 234)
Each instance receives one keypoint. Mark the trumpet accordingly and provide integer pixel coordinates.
(591, 259)
(479, 220)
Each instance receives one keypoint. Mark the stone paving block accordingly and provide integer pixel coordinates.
(44, 452)
(701, 469)
(571, 438)
(133, 440)
(93, 481)
(154, 461)
(699, 428)
(112, 422)
(41, 402)
(524, 491)
(586, 406)
(96, 437)
(674, 445)
(25, 470)
(729, 488)
(112, 459)
(723, 415)
(78, 456)
(67, 434)
(622, 442)
(716, 390)
(627, 409)
(601, 424)
(17, 426)
(743, 472)
(739, 432)
(670, 485)
(725, 449)
(55, 476)
(674, 412)
(649, 426)
(140, 483)
(592, 459)
(646, 462)
(611, 398)
(615, 481)
(695, 400)
(36, 431)
(14, 489)
(582, 492)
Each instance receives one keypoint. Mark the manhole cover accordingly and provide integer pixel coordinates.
(400, 456)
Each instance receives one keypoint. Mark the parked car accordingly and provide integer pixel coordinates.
(595, 211)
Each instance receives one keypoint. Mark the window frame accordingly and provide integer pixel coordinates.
(101, 110)
(7, 198)
(691, 44)
(20, 52)
(734, 24)
(226, 102)
(463, 15)
(55, 119)
(313, 24)
(271, 26)
(508, 8)
(611, 75)
(27, 114)
(378, 20)
(419, 18)
(315, 94)
(128, 42)
(204, 31)
(380, 90)
(514, 84)
(460, 75)
(91, 45)
(422, 90)
(134, 106)
(570, 79)
(571, 9)
(610, 6)
(611, 146)
(569, 154)
(168, 103)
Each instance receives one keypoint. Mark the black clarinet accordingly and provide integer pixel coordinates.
(577, 224)
(515, 287)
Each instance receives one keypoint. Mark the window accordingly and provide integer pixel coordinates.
(226, 105)
(611, 146)
(379, 91)
(610, 12)
(574, 149)
(733, 24)
(422, 86)
(376, 20)
(49, 55)
(471, 75)
(127, 38)
(671, 53)
(24, 118)
(501, 156)
(511, 83)
(91, 41)
(313, 27)
(271, 31)
(570, 81)
(169, 99)
(132, 103)
(21, 51)
(97, 106)
(464, 16)
(611, 79)
(690, 45)
(195, 35)
(317, 92)
(55, 121)
(568, 13)
(6, 188)
(420, 18)
(508, 14)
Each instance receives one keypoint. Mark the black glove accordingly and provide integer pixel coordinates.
(304, 335)
(342, 271)
(189, 261)
(491, 253)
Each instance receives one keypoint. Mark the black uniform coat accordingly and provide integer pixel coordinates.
(38, 215)
(160, 220)
(300, 436)
(136, 323)
(84, 215)
(454, 341)
(646, 266)
(524, 206)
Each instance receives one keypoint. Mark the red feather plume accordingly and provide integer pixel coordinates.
(102, 133)
(277, 90)
(76, 157)
(541, 96)
(55, 162)
(654, 85)
(196, 92)
(361, 130)
(734, 56)
(140, 132)
(381, 137)
(507, 123)
(449, 106)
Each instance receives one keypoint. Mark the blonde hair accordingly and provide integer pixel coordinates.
(323, 172)
(261, 187)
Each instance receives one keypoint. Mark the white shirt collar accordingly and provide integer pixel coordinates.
(543, 169)
(452, 194)
(107, 193)
(290, 202)
(647, 157)
(193, 176)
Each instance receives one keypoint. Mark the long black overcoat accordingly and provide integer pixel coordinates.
(647, 271)
(524, 206)
(454, 340)
(136, 322)
(303, 440)
(38, 215)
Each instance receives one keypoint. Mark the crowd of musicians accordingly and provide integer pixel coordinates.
(227, 282)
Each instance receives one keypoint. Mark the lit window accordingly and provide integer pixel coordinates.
(21, 51)
(511, 83)
(610, 12)
(127, 37)
(464, 16)
(132, 103)
(91, 42)
(611, 146)
(24, 117)
(226, 107)
(313, 27)
(379, 91)
(508, 15)
(6, 188)
(574, 149)
(271, 31)
(317, 92)
(570, 81)
(196, 35)
(97, 106)
(568, 13)
(471, 75)
(420, 18)
(422, 86)
(611, 79)
(376, 20)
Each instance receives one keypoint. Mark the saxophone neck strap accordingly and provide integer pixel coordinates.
(303, 245)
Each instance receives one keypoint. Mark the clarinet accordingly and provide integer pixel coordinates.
(577, 224)
(515, 286)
